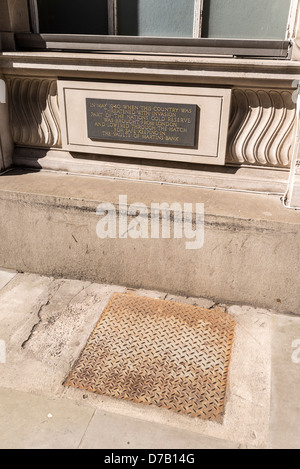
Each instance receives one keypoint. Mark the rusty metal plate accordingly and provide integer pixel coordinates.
(160, 353)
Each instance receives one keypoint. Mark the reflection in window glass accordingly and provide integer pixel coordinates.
(245, 19)
(165, 18)
(73, 16)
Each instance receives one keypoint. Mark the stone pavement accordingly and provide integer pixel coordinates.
(45, 323)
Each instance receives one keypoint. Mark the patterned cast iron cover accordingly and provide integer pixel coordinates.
(160, 353)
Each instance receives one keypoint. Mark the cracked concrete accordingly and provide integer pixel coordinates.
(45, 323)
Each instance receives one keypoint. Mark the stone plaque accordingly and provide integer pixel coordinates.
(142, 122)
(186, 124)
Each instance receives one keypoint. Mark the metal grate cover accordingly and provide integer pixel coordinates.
(158, 352)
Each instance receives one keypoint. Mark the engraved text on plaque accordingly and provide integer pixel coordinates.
(142, 122)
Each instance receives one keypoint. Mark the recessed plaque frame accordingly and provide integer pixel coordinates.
(211, 107)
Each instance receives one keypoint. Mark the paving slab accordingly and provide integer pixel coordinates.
(6, 276)
(35, 422)
(45, 323)
(285, 397)
(140, 434)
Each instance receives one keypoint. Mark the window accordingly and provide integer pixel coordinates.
(167, 18)
(111, 22)
(244, 19)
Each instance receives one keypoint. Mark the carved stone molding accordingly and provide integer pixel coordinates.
(34, 113)
(261, 130)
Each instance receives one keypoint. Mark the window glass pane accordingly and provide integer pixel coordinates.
(245, 19)
(166, 18)
(73, 16)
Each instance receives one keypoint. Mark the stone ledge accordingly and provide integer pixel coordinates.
(256, 179)
(76, 189)
(169, 68)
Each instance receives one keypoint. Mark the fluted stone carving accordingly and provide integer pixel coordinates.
(34, 113)
(261, 129)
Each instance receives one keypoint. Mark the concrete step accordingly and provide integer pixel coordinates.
(250, 252)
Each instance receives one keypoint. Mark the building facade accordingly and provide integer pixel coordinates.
(247, 53)
(199, 93)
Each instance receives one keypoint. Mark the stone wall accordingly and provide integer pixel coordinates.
(261, 129)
